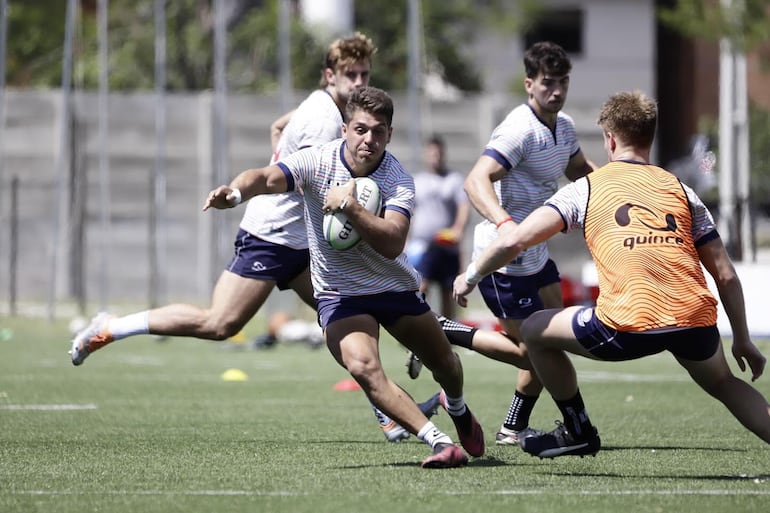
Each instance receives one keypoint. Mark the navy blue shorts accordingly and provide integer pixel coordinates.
(261, 260)
(440, 264)
(517, 297)
(386, 308)
(605, 343)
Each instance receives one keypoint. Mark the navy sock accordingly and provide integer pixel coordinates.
(575, 416)
(459, 334)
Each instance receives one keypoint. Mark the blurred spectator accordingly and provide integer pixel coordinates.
(437, 227)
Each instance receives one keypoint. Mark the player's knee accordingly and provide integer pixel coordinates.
(448, 364)
(530, 330)
(222, 329)
(363, 370)
(718, 385)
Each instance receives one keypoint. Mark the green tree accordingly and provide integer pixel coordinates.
(36, 34)
(745, 22)
(448, 28)
(34, 43)
(251, 46)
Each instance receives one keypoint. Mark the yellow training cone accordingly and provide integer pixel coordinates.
(234, 375)
(239, 337)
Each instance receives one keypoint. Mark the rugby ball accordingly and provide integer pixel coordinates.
(338, 230)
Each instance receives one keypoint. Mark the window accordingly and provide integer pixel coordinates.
(562, 26)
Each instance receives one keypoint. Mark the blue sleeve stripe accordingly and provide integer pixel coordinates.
(708, 237)
(489, 152)
(289, 177)
(399, 209)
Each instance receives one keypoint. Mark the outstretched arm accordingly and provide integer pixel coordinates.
(537, 227)
(249, 183)
(717, 262)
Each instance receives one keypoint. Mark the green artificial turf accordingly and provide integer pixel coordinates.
(150, 426)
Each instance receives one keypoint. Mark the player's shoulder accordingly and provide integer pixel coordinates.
(319, 96)
(563, 117)
(521, 121)
(329, 152)
(391, 164)
(315, 155)
(317, 105)
(518, 114)
(391, 174)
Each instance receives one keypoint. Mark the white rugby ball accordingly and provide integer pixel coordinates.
(338, 230)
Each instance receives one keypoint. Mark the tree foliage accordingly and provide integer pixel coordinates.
(36, 35)
(34, 43)
(448, 27)
(746, 23)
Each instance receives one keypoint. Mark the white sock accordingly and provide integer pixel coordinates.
(455, 406)
(432, 435)
(134, 324)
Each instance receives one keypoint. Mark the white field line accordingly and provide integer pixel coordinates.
(48, 407)
(256, 493)
(610, 376)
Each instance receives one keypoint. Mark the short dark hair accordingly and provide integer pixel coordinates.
(371, 100)
(546, 57)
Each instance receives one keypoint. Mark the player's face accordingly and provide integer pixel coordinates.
(366, 136)
(547, 92)
(345, 80)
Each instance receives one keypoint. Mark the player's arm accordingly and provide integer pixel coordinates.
(461, 219)
(478, 186)
(386, 235)
(578, 166)
(715, 259)
(249, 183)
(537, 227)
(276, 129)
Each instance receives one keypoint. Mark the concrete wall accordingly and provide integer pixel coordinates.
(618, 52)
(62, 248)
(195, 245)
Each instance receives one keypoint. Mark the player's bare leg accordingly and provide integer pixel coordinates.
(743, 400)
(234, 301)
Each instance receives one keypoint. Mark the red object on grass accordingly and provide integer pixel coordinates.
(346, 385)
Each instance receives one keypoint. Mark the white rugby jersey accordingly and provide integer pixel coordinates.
(571, 202)
(278, 218)
(360, 270)
(536, 159)
(438, 198)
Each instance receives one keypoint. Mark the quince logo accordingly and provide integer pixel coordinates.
(645, 217)
(623, 218)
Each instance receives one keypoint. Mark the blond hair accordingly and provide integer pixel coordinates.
(344, 52)
(631, 116)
